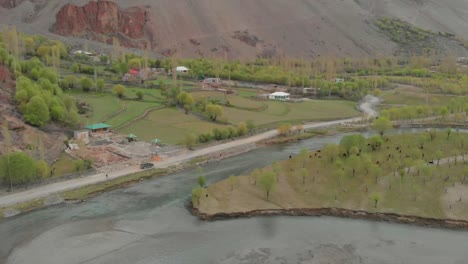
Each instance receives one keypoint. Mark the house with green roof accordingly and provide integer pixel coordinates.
(98, 128)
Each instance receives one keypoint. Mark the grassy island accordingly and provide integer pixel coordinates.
(421, 174)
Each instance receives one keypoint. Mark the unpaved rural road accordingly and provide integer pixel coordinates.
(51, 189)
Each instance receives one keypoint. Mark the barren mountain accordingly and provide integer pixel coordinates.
(244, 28)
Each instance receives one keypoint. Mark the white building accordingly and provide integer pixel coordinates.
(80, 52)
(281, 96)
(182, 69)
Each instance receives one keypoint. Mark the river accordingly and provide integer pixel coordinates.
(148, 223)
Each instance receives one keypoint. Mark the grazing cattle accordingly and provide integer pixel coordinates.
(290, 156)
(319, 151)
(377, 162)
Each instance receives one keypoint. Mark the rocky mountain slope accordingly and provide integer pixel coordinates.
(300, 28)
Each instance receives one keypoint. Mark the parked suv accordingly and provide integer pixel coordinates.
(146, 166)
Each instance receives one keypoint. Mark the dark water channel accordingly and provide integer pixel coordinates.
(148, 223)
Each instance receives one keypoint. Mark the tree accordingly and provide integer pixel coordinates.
(242, 129)
(438, 155)
(36, 112)
(432, 134)
(189, 141)
(69, 81)
(354, 163)
(7, 143)
(21, 168)
(284, 129)
(86, 84)
(196, 195)
(42, 169)
(331, 151)
(276, 169)
(119, 90)
(340, 174)
(100, 84)
(375, 142)
(381, 125)
(376, 198)
(250, 126)
(186, 100)
(350, 141)
(449, 132)
(201, 181)
(201, 178)
(139, 95)
(214, 111)
(233, 180)
(267, 182)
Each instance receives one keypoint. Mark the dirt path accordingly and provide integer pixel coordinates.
(52, 189)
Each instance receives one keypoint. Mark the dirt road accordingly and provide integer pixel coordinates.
(54, 188)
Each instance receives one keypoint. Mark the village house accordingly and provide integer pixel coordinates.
(280, 96)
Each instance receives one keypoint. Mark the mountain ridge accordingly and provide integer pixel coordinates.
(296, 28)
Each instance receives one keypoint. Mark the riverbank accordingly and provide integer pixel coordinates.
(82, 194)
(338, 212)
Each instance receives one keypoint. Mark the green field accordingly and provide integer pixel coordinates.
(407, 95)
(169, 125)
(64, 165)
(276, 112)
(102, 105)
(134, 109)
(403, 183)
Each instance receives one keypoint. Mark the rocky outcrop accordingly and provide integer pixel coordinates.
(100, 21)
(339, 212)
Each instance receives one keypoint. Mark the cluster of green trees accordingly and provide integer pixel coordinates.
(456, 105)
(243, 128)
(82, 68)
(42, 101)
(456, 85)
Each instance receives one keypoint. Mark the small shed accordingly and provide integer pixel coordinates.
(281, 96)
(98, 128)
(82, 135)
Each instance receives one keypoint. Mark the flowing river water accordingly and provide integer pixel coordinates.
(148, 223)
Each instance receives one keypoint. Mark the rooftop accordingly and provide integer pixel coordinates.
(280, 94)
(97, 126)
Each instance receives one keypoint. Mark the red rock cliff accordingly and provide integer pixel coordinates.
(101, 17)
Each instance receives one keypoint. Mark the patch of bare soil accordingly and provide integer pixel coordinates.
(455, 202)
